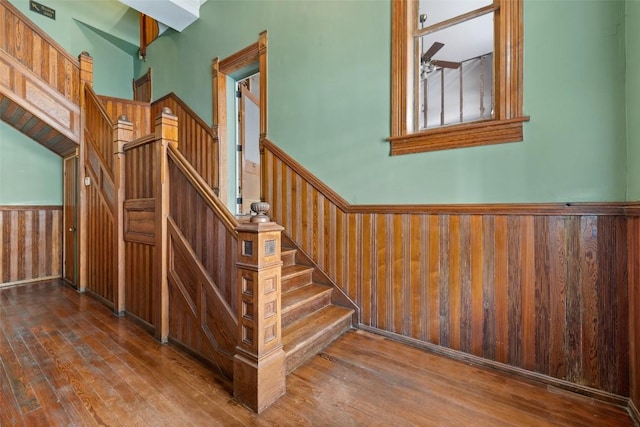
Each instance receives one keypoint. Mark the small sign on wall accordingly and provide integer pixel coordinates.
(36, 7)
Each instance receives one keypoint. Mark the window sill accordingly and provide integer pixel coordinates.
(474, 134)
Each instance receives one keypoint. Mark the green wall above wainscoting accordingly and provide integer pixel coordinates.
(329, 95)
(633, 99)
(29, 173)
(329, 100)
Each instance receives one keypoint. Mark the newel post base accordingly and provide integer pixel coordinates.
(259, 368)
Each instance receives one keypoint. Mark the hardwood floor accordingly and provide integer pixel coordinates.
(66, 360)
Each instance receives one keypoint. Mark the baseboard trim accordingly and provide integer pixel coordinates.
(633, 411)
(27, 281)
(520, 373)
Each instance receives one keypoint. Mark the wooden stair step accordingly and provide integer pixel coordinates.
(306, 337)
(304, 301)
(295, 276)
(288, 256)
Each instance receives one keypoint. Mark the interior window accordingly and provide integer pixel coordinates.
(457, 74)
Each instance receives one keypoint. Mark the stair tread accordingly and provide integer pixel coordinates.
(304, 330)
(298, 296)
(295, 270)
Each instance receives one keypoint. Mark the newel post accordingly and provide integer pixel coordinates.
(86, 68)
(259, 370)
(122, 133)
(166, 127)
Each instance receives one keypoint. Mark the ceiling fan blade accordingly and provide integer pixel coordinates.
(435, 47)
(446, 64)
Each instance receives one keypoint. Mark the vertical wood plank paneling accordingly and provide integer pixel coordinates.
(197, 140)
(32, 47)
(528, 292)
(466, 305)
(590, 296)
(489, 285)
(31, 243)
(415, 267)
(444, 283)
(536, 291)
(434, 280)
(542, 315)
(514, 337)
(633, 243)
(454, 286)
(557, 249)
(477, 300)
(573, 323)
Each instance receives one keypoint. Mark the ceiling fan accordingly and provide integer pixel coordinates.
(429, 64)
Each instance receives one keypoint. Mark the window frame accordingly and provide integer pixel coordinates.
(505, 126)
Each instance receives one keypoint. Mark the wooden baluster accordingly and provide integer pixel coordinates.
(166, 133)
(122, 133)
(259, 371)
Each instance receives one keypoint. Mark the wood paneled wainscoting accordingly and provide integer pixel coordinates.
(634, 308)
(31, 247)
(540, 290)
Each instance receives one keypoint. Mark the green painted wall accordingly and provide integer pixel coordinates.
(329, 96)
(633, 99)
(29, 173)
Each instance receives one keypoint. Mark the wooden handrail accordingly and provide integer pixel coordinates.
(88, 89)
(229, 221)
(147, 139)
(188, 110)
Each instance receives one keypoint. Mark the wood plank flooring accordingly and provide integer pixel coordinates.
(65, 360)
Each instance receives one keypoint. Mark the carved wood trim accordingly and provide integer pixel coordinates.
(240, 59)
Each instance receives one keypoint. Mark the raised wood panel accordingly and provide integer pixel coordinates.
(199, 319)
(36, 109)
(634, 308)
(31, 238)
(212, 243)
(196, 139)
(141, 262)
(136, 112)
(542, 291)
(36, 51)
(202, 286)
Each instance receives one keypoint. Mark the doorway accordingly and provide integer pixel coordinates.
(70, 259)
(239, 84)
(248, 143)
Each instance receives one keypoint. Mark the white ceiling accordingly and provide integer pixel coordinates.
(463, 41)
(177, 14)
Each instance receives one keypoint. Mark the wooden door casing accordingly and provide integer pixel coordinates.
(70, 219)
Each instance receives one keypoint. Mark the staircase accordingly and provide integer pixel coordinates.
(310, 321)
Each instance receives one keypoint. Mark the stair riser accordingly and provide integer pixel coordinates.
(288, 258)
(295, 282)
(293, 360)
(309, 306)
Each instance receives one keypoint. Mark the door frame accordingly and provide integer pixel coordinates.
(221, 70)
(70, 220)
